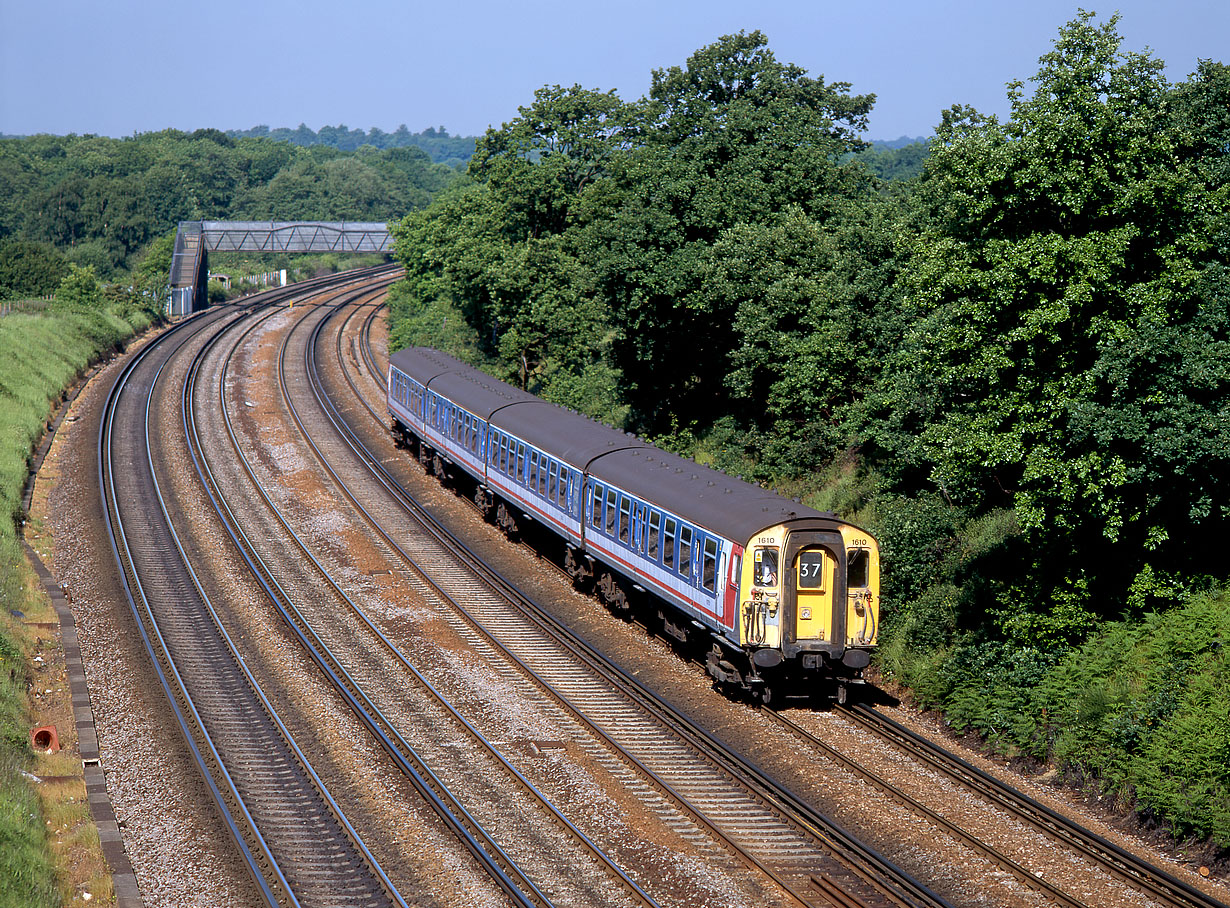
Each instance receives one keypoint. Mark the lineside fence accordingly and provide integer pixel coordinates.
(24, 306)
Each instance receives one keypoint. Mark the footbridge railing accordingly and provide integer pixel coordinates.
(196, 239)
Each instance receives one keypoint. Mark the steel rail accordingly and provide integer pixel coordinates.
(122, 554)
(260, 860)
(380, 727)
(196, 449)
(882, 874)
(1155, 882)
(993, 854)
(633, 888)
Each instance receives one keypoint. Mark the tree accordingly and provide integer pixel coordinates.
(733, 138)
(29, 269)
(1069, 360)
(80, 287)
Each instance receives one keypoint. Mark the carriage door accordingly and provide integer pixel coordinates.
(809, 596)
(813, 574)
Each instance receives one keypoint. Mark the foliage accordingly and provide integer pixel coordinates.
(436, 143)
(25, 861)
(598, 239)
(79, 287)
(1142, 711)
(101, 201)
(1068, 354)
(39, 356)
(498, 250)
(895, 161)
(29, 270)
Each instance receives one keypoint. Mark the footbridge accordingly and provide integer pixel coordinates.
(196, 239)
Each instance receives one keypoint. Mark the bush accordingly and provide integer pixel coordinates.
(1143, 712)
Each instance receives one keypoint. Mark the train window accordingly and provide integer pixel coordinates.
(735, 562)
(708, 574)
(765, 573)
(533, 474)
(625, 520)
(858, 568)
(811, 570)
(520, 474)
(552, 481)
(685, 551)
(561, 496)
(595, 506)
(493, 448)
(612, 499)
(668, 543)
(542, 477)
(655, 530)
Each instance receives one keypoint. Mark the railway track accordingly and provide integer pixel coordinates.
(1152, 882)
(290, 832)
(405, 678)
(648, 750)
(363, 674)
(1152, 885)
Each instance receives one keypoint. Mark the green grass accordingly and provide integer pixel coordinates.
(40, 354)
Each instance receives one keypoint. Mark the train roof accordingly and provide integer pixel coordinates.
(723, 504)
(424, 363)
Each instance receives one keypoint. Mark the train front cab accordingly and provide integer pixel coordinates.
(809, 607)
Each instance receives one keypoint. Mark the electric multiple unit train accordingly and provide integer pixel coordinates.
(787, 597)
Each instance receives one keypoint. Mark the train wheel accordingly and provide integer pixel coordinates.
(505, 520)
(612, 593)
(483, 499)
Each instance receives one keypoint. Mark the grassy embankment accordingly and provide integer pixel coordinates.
(50, 854)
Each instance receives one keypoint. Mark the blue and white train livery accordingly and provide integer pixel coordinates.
(787, 596)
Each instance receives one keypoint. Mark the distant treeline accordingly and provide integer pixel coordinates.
(441, 147)
(97, 201)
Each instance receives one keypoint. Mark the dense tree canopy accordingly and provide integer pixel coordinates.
(1067, 356)
(99, 201)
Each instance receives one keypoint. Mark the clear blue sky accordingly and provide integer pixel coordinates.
(116, 67)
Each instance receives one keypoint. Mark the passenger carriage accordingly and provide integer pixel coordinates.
(784, 592)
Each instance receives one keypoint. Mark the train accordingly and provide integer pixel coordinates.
(783, 600)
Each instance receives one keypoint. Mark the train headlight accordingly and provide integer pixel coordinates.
(806, 614)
